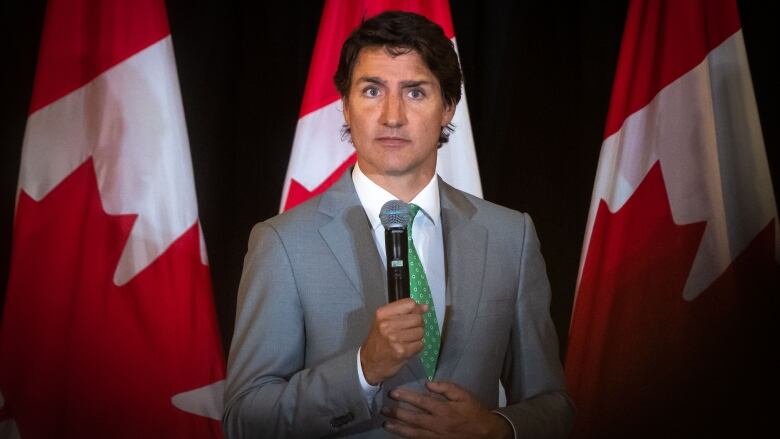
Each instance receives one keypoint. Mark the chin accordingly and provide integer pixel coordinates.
(400, 167)
(397, 166)
(401, 171)
(395, 172)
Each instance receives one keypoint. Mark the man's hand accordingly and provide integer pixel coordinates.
(460, 415)
(395, 336)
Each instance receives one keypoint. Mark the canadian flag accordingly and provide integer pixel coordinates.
(679, 272)
(319, 154)
(109, 327)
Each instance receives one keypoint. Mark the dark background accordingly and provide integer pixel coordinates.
(538, 80)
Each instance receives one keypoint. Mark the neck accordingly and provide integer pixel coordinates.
(404, 187)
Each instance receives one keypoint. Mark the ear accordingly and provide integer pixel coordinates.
(447, 114)
(345, 109)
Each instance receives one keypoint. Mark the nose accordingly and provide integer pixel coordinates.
(394, 111)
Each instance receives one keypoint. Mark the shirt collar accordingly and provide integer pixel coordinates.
(373, 197)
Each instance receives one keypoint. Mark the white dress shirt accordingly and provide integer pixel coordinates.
(427, 235)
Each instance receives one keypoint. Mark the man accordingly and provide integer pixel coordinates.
(318, 351)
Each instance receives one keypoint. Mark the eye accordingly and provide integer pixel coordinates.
(371, 91)
(416, 93)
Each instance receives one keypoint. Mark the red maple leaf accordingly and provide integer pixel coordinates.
(643, 361)
(82, 357)
(298, 193)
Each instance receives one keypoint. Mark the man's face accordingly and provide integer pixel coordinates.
(395, 112)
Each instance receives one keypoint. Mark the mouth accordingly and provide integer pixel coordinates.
(392, 140)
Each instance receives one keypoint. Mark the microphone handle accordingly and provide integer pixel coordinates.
(397, 251)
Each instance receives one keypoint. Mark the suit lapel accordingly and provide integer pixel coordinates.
(465, 244)
(347, 232)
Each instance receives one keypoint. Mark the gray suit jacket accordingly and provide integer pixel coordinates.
(311, 283)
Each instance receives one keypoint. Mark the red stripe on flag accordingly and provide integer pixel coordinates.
(82, 39)
(83, 357)
(645, 358)
(661, 42)
(644, 362)
(339, 18)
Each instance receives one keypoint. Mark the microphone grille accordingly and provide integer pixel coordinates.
(394, 213)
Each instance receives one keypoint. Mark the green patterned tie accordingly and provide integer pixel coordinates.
(421, 293)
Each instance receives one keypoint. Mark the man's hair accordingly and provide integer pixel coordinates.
(400, 33)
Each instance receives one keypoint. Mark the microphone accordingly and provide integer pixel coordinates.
(394, 216)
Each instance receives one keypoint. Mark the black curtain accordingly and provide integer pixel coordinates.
(538, 80)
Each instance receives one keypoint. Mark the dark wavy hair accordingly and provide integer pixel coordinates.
(399, 33)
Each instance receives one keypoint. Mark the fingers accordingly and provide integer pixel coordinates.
(408, 335)
(449, 390)
(423, 402)
(403, 334)
(460, 415)
(406, 423)
(400, 323)
(400, 352)
(395, 336)
(409, 417)
(400, 307)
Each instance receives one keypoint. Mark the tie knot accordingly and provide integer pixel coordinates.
(413, 209)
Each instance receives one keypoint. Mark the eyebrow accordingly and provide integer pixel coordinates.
(404, 84)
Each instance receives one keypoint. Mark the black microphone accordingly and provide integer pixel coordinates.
(394, 216)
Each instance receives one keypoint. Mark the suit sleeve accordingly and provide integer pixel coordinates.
(269, 392)
(537, 403)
